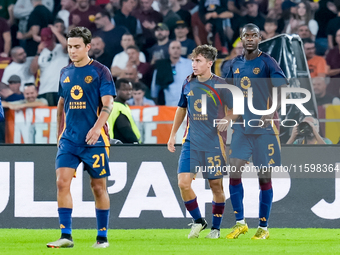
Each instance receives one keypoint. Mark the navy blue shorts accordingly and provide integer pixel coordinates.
(211, 164)
(266, 149)
(95, 159)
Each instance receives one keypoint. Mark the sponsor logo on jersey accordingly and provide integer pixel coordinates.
(191, 93)
(237, 71)
(196, 107)
(271, 161)
(76, 92)
(67, 80)
(245, 82)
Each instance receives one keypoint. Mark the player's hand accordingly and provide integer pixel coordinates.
(92, 136)
(36, 38)
(171, 144)
(222, 126)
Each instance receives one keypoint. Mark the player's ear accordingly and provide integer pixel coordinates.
(88, 46)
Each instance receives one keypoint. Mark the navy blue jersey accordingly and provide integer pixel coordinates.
(201, 133)
(261, 74)
(82, 89)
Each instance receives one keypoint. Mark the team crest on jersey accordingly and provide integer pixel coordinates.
(88, 79)
(198, 109)
(256, 70)
(245, 82)
(237, 71)
(76, 92)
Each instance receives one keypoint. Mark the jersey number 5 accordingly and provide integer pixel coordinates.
(271, 149)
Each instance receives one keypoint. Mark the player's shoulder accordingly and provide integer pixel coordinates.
(267, 59)
(66, 68)
(217, 79)
(99, 67)
(238, 58)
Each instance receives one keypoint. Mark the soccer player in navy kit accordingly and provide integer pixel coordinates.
(203, 144)
(259, 71)
(86, 91)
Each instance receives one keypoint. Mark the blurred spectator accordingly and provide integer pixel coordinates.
(149, 18)
(317, 65)
(333, 61)
(307, 132)
(303, 16)
(333, 26)
(20, 66)
(253, 15)
(121, 124)
(169, 76)
(161, 49)
(212, 13)
(237, 7)
(83, 15)
(60, 26)
(39, 18)
(50, 59)
(124, 18)
(67, 6)
(23, 8)
(112, 6)
(5, 38)
(183, 14)
(138, 96)
(6, 10)
(144, 69)
(98, 51)
(120, 60)
(7, 94)
(270, 27)
(130, 73)
(198, 30)
(14, 84)
(181, 32)
(110, 34)
(327, 11)
(238, 50)
(187, 5)
(30, 101)
(11, 92)
(304, 32)
(288, 11)
(169, 17)
(320, 90)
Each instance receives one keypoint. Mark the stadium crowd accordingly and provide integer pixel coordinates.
(148, 42)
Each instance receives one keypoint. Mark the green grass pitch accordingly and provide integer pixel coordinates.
(173, 241)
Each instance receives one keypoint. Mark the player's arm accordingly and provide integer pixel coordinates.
(224, 123)
(94, 133)
(179, 117)
(60, 111)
